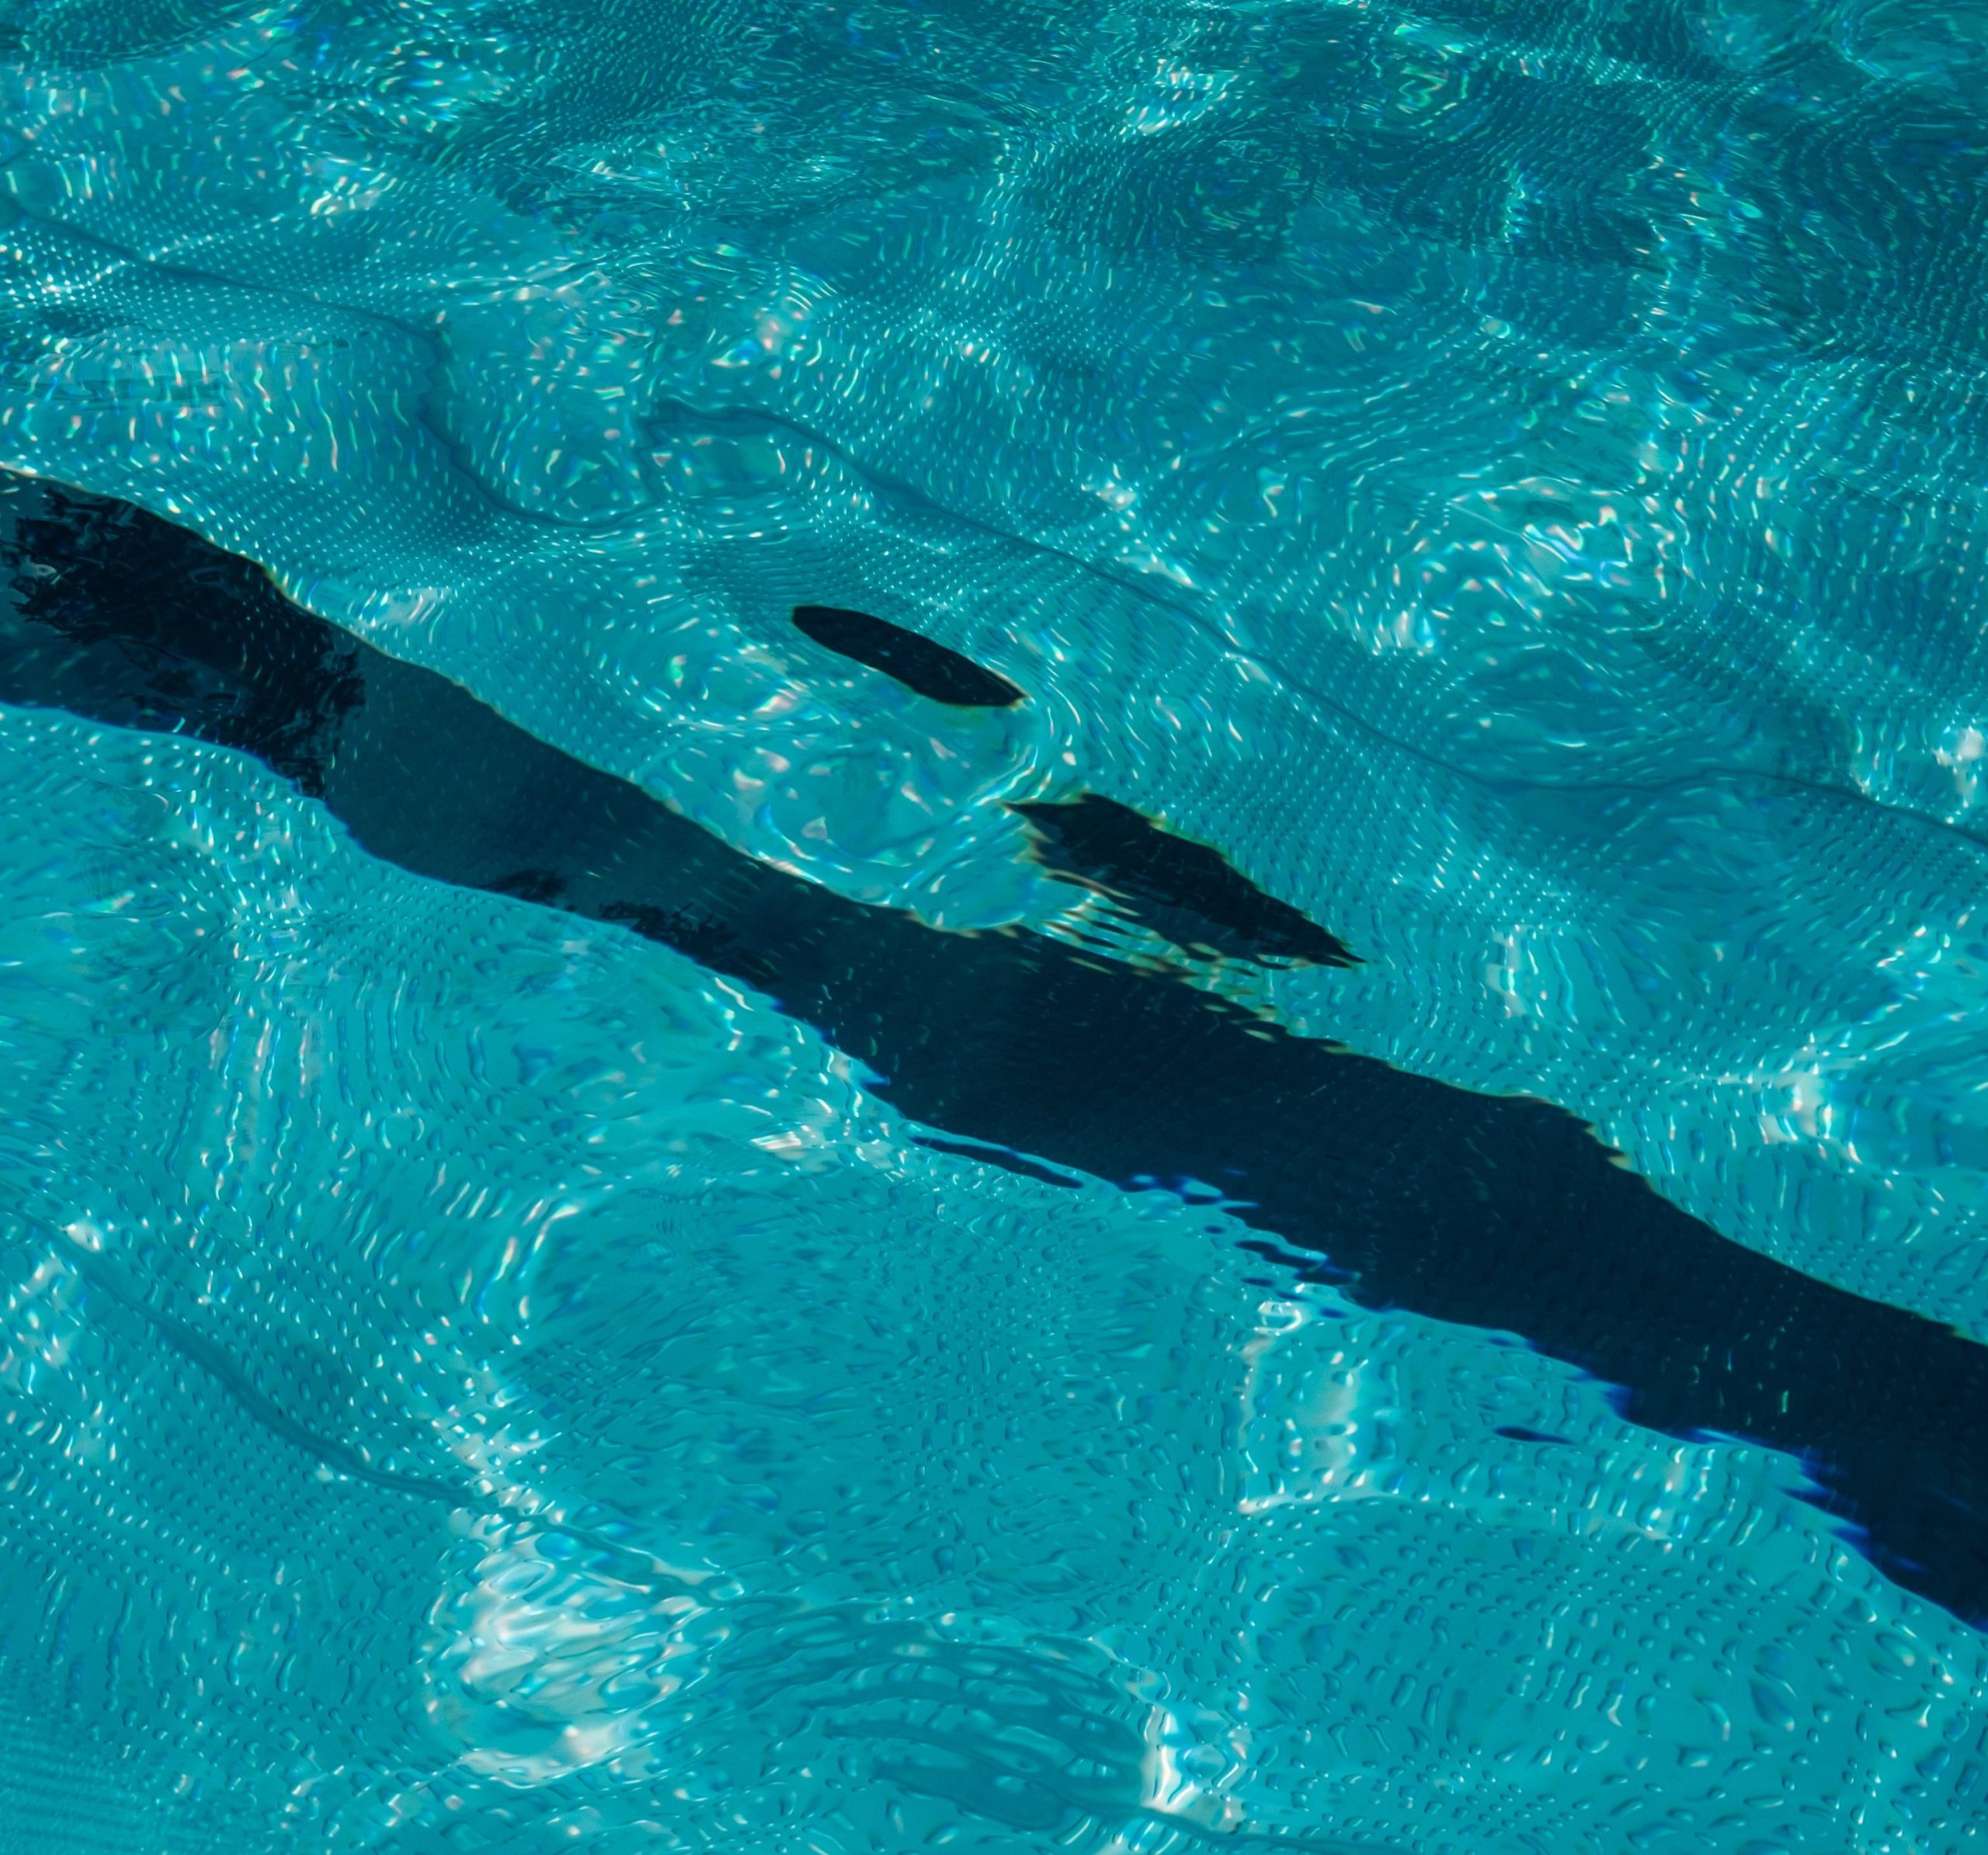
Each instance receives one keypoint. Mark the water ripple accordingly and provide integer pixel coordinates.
(1342, 422)
(639, 1434)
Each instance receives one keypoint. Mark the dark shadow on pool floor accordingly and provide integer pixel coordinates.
(1499, 1212)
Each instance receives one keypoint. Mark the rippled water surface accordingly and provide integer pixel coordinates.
(995, 926)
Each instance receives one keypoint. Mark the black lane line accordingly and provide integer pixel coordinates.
(1188, 892)
(918, 662)
(1499, 1212)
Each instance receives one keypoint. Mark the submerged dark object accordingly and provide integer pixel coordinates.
(914, 660)
(1189, 892)
(1500, 1213)
(216, 651)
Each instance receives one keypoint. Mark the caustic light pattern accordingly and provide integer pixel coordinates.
(1498, 484)
(470, 1378)
(1503, 475)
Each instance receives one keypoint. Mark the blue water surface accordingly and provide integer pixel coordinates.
(490, 1359)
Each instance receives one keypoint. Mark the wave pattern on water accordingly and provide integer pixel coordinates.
(1017, 1049)
(1459, 526)
(1503, 475)
(471, 1377)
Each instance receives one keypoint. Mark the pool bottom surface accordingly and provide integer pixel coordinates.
(471, 1377)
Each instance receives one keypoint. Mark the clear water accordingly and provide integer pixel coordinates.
(526, 1323)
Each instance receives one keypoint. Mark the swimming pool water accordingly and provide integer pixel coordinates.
(678, 1226)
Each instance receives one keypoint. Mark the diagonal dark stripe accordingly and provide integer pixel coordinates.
(1500, 1213)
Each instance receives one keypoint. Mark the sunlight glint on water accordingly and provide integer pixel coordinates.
(1504, 476)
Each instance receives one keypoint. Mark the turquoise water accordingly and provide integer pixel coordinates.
(483, 1366)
